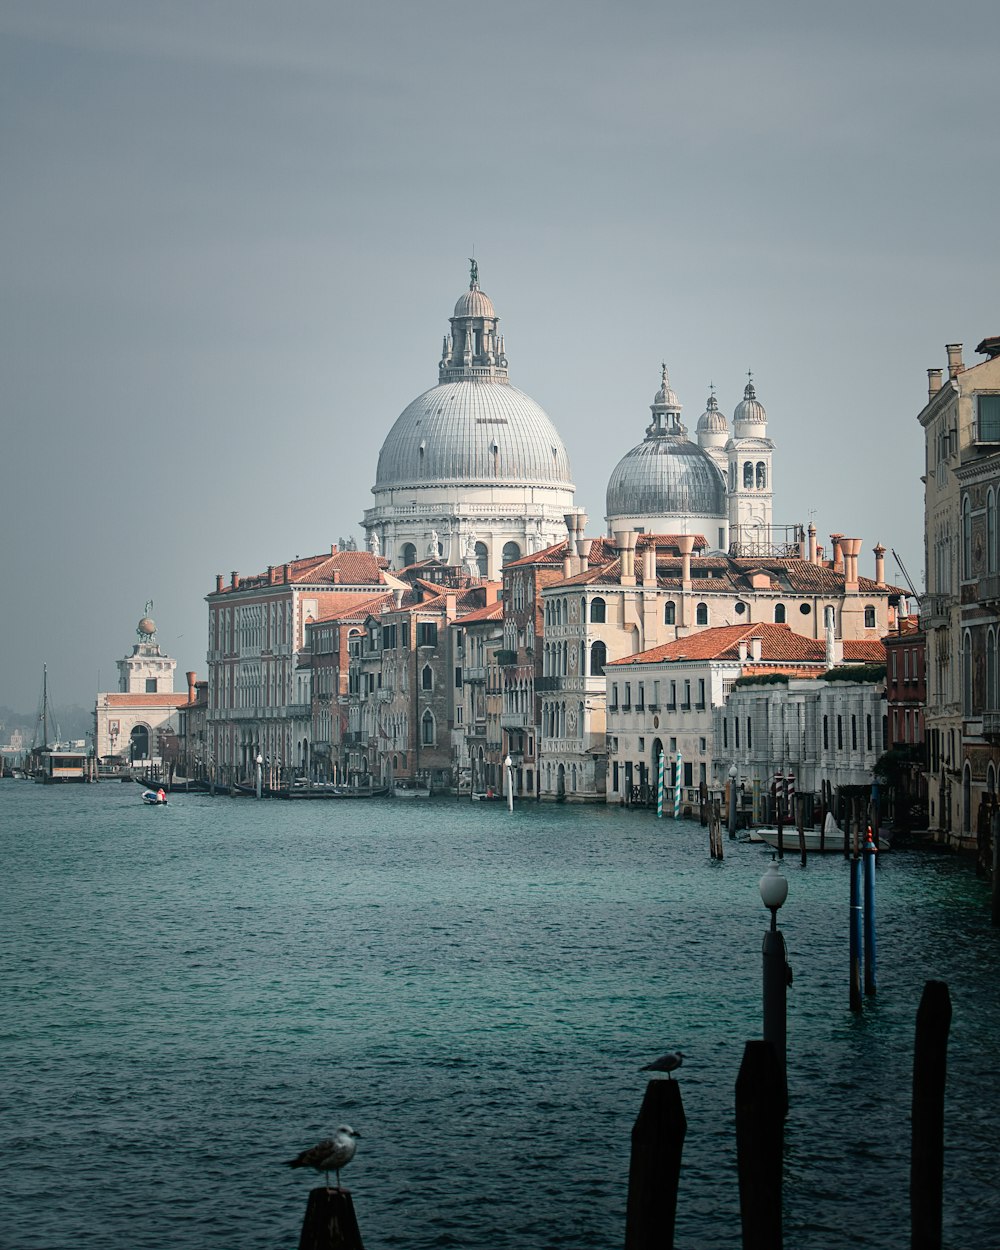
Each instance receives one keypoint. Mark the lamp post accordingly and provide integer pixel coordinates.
(733, 774)
(259, 774)
(509, 777)
(777, 973)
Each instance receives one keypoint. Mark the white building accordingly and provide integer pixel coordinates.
(473, 472)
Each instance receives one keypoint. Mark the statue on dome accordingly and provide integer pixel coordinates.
(432, 546)
(473, 272)
(374, 543)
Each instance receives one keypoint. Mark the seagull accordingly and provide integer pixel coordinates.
(666, 1063)
(332, 1154)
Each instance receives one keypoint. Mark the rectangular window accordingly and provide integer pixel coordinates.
(458, 678)
(686, 705)
(868, 729)
(641, 697)
(458, 714)
(614, 777)
(702, 775)
(701, 693)
(989, 419)
(673, 746)
(725, 732)
(840, 733)
(688, 773)
(749, 734)
(614, 696)
(672, 704)
(628, 697)
(906, 665)
(151, 685)
(656, 694)
(427, 633)
(642, 744)
(894, 674)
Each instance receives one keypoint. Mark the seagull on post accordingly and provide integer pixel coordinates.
(329, 1155)
(668, 1063)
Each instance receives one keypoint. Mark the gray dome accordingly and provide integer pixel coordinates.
(475, 303)
(750, 411)
(666, 476)
(712, 421)
(473, 432)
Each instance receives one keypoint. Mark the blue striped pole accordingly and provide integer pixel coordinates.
(677, 789)
(659, 787)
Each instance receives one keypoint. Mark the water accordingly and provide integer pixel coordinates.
(194, 993)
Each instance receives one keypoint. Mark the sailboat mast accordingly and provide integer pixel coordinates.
(45, 706)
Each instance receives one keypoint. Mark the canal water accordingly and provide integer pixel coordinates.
(194, 993)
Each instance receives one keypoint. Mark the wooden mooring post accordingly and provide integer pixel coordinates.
(330, 1222)
(655, 1168)
(760, 1142)
(800, 820)
(930, 1056)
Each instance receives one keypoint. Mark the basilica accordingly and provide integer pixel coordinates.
(472, 633)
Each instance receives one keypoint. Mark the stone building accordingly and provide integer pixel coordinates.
(473, 472)
(961, 424)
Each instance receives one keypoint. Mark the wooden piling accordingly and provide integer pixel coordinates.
(655, 1168)
(800, 813)
(855, 935)
(330, 1222)
(760, 1139)
(930, 1056)
(995, 834)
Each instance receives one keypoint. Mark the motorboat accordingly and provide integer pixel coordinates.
(154, 799)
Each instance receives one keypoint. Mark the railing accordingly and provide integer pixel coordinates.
(543, 684)
(989, 588)
(515, 720)
(935, 610)
(991, 725)
(474, 673)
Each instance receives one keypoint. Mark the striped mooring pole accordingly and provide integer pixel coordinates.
(659, 787)
(677, 789)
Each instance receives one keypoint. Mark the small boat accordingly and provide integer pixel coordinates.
(410, 790)
(829, 839)
(153, 799)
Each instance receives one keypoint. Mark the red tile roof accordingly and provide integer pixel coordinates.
(144, 700)
(492, 612)
(778, 644)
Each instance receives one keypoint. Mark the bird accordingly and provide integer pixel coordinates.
(666, 1063)
(329, 1155)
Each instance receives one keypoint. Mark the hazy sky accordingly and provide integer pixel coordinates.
(233, 232)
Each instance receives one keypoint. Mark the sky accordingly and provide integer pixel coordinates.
(232, 232)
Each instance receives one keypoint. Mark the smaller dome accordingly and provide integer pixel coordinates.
(665, 396)
(147, 626)
(750, 411)
(475, 303)
(712, 421)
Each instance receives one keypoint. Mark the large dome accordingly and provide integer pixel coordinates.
(666, 477)
(474, 432)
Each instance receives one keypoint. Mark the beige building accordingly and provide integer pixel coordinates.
(961, 423)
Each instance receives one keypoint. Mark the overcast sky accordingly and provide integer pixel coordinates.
(233, 232)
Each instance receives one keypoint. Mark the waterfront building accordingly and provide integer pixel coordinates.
(473, 472)
(961, 424)
(477, 736)
(664, 701)
(139, 721)
(259, 678)
(906, 697)
(646, 590)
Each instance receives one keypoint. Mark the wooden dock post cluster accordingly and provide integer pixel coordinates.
(860, 852)
(715, 830)
(660, 1128)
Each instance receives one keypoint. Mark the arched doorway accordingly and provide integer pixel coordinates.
(561, 782)
(138, 743)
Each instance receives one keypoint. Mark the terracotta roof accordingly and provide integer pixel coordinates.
(356, 568)
(492, 612)
(350, 605)
(143, 700)
(778, 643)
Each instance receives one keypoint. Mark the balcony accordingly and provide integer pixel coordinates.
(515, 720)
(473, 673)
(989, 588)
(544, 684)
(935, 610)
(991, 725)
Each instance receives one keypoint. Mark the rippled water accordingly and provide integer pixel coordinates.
(194, 993)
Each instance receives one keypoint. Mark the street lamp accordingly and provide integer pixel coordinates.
(509, 769)
(259, 774)
(777, 973)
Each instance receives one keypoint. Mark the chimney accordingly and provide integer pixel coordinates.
(570, 560)
(756, 643)
(933, 382)
(851, 548)
(235, 582)
(686, 544)
(285, 570)
(270, 574)
(451, 605)
(838, 555)
(333, 549)
(879, 563)
(955, 365)
(192, 679)
(397, 595)
(803, 549)
(218, 583)
(649, 565)
(625, 545)
(742, 648)
(812, 543)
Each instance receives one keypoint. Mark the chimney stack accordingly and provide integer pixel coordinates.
(625, 544)
(192, 679)
(235, 582)
(933, 382)
(218, 583)
(879, 563)
(955, 365)
(756, 644)
(838, 554)
(851, 548)
(812, 543)
(742, 648)
(686, 544)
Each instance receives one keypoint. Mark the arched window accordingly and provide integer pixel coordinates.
(427, 729)
(511, 551)
(967, 674)
(991, 672)
(779, 614)
(427, 678)
(966, 537)
(732, 475)
(482, 559)
(748, 475)
(869, 617)
(669, 612)
(701, 614)
(598, 658)
(761, 475)
(407, 555)
(991, 532)
(597, 611)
